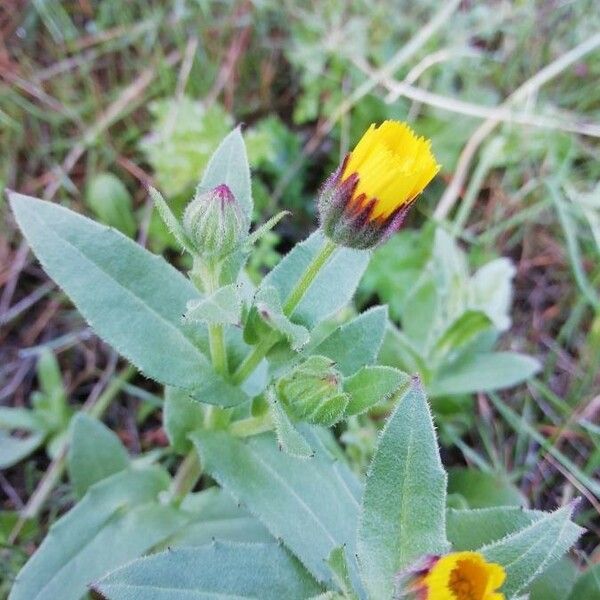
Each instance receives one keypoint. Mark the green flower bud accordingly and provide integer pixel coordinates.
(214, 223)
(313, 392)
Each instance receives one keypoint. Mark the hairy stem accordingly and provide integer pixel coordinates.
(253, 359)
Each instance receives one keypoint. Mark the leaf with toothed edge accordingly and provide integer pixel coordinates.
(307, 503)
(528, 552)
(132, 299)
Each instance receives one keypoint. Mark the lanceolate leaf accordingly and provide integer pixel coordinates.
(469, 529)
(118, 519)
(132, 298)
(356, 343)
(216, 516)
(528, 552)
(13, 449)
(224, 570)
(308, 504)
(403, 512)
(485, 372)
(229, 165)
(373, 385)
(332, 288)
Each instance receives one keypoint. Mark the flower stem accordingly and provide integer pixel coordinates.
(312, 270)
(253, 359)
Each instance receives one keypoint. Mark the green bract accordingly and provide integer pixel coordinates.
(254, 376)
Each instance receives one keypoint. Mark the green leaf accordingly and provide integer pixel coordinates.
(339, 567)
(229, 165)
(403, 511)
(110, 202)
(216, 516)
(482, 489)
(491, 291)
(223, 307)
(133, 299)
(95, 453)
(309, 504)
(226, 570)
(469, 529)
(14, 449)
(462, 332)
(117, 520)
(485, 372)
(268, 308)
(556, 583)
(289, 438)
(331, 289)
(587, 585)
(527, 553)
(356, 343)
(181, 416)
(20, 418)
(371, 386)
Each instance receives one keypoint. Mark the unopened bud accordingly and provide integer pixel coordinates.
(313, 392)
(214, 222)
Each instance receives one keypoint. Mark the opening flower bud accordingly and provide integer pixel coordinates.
(454, 576)
(366, 199)
(313, 392)
(214, 222)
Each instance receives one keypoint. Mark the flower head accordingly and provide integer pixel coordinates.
(454, 576)
(367, 197)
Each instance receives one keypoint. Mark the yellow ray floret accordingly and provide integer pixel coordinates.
(393, 167)
(464, 576)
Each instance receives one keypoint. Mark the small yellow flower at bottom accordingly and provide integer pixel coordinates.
(458, 576)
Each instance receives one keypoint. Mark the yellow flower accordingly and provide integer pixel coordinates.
(368, 196)
(462, 576)
(393, 167)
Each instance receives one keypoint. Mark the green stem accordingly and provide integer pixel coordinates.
(253, 359)
(186, 477)
(308, 277)
(210, 275)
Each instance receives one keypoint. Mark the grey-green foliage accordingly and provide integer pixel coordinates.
(530, 551)
(294, 487)
(311, 504)
(227, 570)
(95, 453)
(403, 508)
(132, 298)
(117, 520)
